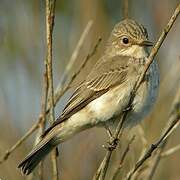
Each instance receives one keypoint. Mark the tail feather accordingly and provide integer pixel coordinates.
(33, 159)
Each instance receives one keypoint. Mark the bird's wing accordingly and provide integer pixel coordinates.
(106, 74)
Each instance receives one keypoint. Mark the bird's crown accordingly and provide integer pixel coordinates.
(130, 28)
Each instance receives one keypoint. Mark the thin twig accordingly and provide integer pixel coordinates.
(142, 136)
(43, 105)
(58, 94)
(114, 141)
(140, 172)
(170, 151)
(19, 142)
(159, 152)
(76, 52)
(84, 63)
(43, 112)
(62, 87)
(98, 172)
(50, 14)
(173, 123)
(156, 161)
(119, 167)
(145, 145)
(160, 41)
(153, 147)
(61, 90)
(42, 120)
(126, 8)
(101, 172)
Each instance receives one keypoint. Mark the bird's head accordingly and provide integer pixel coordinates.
(128, 38)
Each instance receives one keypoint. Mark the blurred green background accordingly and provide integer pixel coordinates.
(22, 52)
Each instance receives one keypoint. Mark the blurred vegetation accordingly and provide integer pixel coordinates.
(22, 52)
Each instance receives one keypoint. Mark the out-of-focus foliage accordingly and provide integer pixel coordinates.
(22, 52)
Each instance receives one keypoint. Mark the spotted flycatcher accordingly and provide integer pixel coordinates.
(104, 94)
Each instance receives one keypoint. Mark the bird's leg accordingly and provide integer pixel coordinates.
(112, 142)
(108, 130)
(110, 135)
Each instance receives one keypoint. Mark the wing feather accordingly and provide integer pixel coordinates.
(105, 75)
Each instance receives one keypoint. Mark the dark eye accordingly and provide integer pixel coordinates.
(125, 40)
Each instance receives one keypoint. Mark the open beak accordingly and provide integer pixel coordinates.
(146, 43)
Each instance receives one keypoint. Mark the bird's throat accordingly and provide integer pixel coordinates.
(135, 51)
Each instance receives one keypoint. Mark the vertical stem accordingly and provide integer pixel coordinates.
(50, 14)
(42, 120)
(50, 8)
(76, 52)
(156, 162)
(126, 9)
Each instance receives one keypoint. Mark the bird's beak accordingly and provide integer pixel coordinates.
(146, 43)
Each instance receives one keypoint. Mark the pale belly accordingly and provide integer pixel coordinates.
(109, 105)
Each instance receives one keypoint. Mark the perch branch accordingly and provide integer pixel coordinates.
(101, 172)
(19, 142)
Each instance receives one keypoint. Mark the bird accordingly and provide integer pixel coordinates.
(100, 99)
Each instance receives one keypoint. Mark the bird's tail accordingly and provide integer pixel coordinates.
(35, 156)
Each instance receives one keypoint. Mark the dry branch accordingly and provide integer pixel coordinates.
(126, 8)
(76, 52)
(158, 154)
(120, 165)
(50, 15)
(170, 151)
(61, 90)
(156, 161)
(101, 172)
(19, 142)
(43, 112)
(173, 123)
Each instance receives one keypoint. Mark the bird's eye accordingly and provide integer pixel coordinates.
(125, 40)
